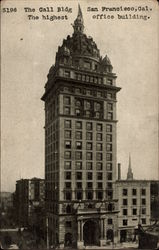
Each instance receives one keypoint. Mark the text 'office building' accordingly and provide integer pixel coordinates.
(80, 144)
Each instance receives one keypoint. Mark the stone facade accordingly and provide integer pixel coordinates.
(134, 207)
(80, 144)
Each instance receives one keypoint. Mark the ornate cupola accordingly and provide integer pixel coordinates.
(78, 23)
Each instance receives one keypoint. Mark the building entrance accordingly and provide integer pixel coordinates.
(91, 233)
(123, 235)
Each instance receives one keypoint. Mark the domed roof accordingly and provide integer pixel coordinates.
(79, 43)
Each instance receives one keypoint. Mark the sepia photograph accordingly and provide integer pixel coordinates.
(79, 124)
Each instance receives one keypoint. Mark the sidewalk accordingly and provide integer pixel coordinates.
(124, 245)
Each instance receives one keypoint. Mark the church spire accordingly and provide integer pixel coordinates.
(78, 23)
(129, 173)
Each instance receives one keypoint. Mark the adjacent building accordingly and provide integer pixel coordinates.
(29, 200)
(80, 144)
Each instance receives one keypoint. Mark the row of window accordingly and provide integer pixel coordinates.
(89, 136)
(88, 113)
(89, 156)
(89, 175)
(89, 125)
(134, 211)
(134, 201)
(89, 92)
(89, 146)
(89, 185)
(134, 191)
(89, 195)
(89, 165)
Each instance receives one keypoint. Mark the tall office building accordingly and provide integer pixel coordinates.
(80, 144)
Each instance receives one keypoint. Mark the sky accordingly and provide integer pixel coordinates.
(28, 51)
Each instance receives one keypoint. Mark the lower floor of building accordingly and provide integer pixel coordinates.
(89, 229)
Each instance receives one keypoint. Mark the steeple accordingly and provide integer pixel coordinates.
(129, 173)
(78, 23)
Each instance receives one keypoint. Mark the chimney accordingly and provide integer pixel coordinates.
(119, 171)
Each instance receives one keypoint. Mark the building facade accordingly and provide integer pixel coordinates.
(29, 200)
(80, 144)
(134, 204)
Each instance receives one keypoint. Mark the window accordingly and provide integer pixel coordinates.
(89, 145)
(97, 106)
(68, 224)
(67, 124)
(109, 81)
(78, 103)
(109, 166)
(99, 185)
(99, 137)
(89, 195)
(78, 165)
(134, 191)
(143, 220)
(78, 155)
(79, 185)
(108, 128)
(143, 211)
(99, 146)
(99, 166)
(99, 127)
(99, 176)
(67, 164)
(78, 145)
(88, 113)
(68, 185)
(77, 90)
(110, 116)
(88, 105)
(68, 144)
(78, 112)
(110, 221)
(109, 95)
(134, 202)
(143, 191)
(125, 211)
(68, 175)
(109, 176)
(143, 201)
(67, 154)
(109, 147)
(78, 135)
(66, 110)
(68, 195)
(125, 191)
(110, 106)
(125, 222)
(79, 195)
(89, 185)
(89, 126)
(67, 73)
(66, 100)
(109, 157)
(89, 136)
(99, 195)
(89, 166)
(78, 125)
(134, 211)
(89, 176)
(79, 175)
(109, 138)
(125, 202)
(109, 185)
(89, 156)
(67, 134)
(99, 156)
